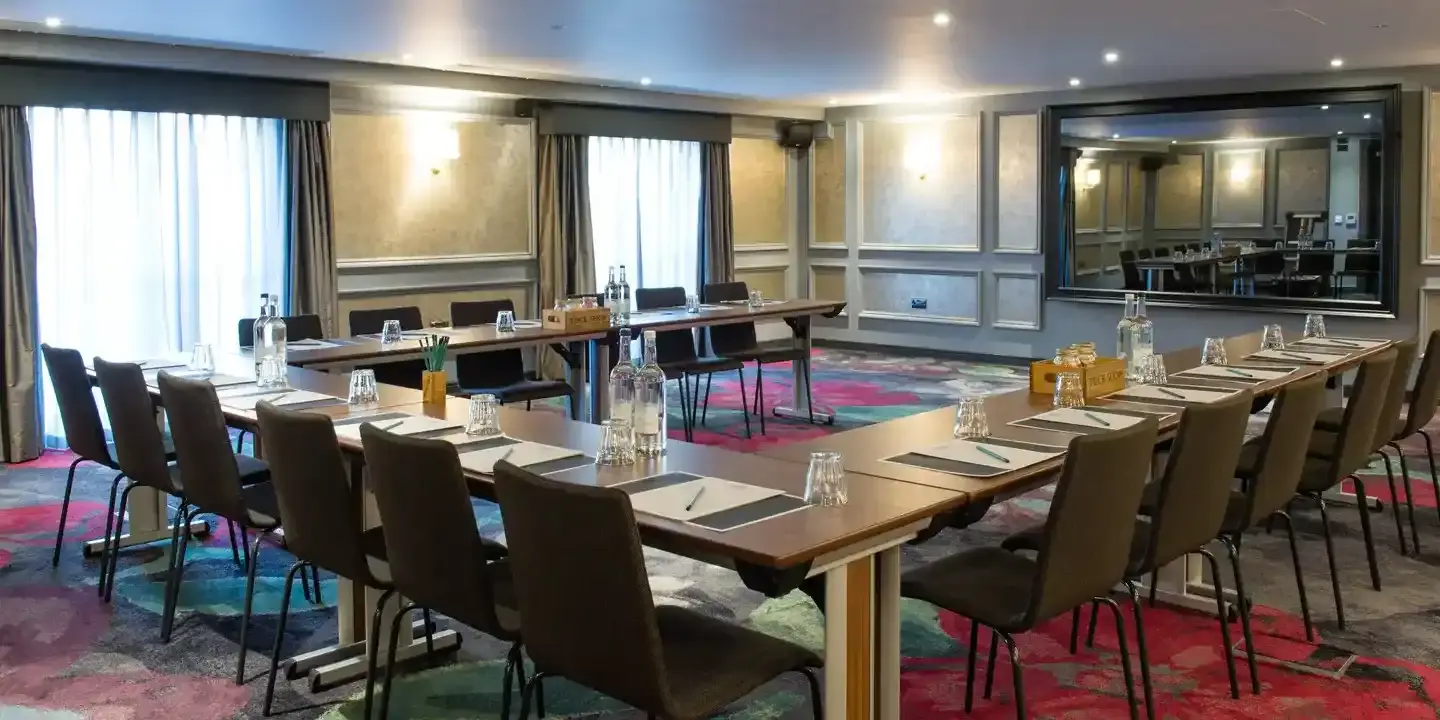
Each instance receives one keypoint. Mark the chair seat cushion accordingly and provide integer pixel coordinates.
(766, 354)
(523, 390)
(262, 506)
(710, 663)
(377, 560)
(1317, 476)
(988, 584)
(1330, 418)
(701, 366)
(1031, 537)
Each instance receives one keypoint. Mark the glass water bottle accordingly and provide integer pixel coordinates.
(624, 302)
(622, 383)
(650, 423)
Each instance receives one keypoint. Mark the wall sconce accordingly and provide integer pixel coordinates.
(1087, 174)
(1240, 172)
(922, 150)
(434, 141)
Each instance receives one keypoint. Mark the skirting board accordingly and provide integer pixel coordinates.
(921, 352)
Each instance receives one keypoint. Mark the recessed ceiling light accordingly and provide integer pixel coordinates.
(941, 19)
(1172, 142)
(1367, 116)
(644, 81)
(1324, 107)
(1111, 56)
(1116, 136)
(53, 22)
(833, 101)
(1337, 62)
(1074, 82)
(1339, 132)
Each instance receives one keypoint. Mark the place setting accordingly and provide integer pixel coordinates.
(245, 399)
(484, 443)
(974, 452)
(710, 502)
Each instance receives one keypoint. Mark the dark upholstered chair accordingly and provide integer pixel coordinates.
(297, 327)
(1421, 410)
(1363, 266)
(737, 341)
(1084, 552)
(438, 561)
(667, 661)
(1133, 281)
(675, 350)
(405, 373)
(217, 481)
(500, 372)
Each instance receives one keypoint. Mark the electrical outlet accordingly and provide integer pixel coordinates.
(919, 303)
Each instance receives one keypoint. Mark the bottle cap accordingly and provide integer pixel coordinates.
(649, 335)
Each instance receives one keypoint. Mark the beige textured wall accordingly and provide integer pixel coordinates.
(1302, 181)
(388, 203)
(828, 157)
(1115, 187)
(1135, 210)
(1177, 196)
(921, 182)
(436, 305)
(1239, 194)
(1088, 199)
(829, 283)
(769, 281)
(1432, 203)
(1017, 180)
(757, 189)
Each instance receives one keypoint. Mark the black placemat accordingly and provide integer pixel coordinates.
(735, 517)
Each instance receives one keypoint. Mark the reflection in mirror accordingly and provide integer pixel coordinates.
(1285, 204)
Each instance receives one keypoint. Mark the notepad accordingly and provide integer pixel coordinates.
(971, 452)
(1222, 372)
(1085, 418)
(217, 379)
(311, 345)
(408, 425)
(1162, 393)
(1347, 344)
(709, 495)
(1294, 356)
(248, 401)
(522, 454)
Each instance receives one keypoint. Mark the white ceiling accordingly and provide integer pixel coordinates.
(812, 51)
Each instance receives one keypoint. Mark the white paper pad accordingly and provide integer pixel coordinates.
(967, 451)
(1296, 356)
(1075, 416)
(1153, 392)
(280, 397)
(310, 345)
(1218, 371)
(526, 324)
(411, 425)
(719, 495)
(216, 379)
(1349, 344)
(521, 453)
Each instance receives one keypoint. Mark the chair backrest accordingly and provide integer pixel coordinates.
(1389, 421)
(312, 487)
(434, 549)
(488, 369)
(1316, 263)
(81, 419)
(1143, 253)
(735, 337)
(1185, 277)
(1162, 252)
(1133, 281)
(1426, 395)
(202, 446)
(1195, 487)
(297, 327)
(1355, 441)
(369, 322)
(1091, 526)
(139, 446)
(670, 345)
(1280, 454)
(570, 542)
(1362, 262)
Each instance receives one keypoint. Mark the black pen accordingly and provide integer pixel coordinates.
(1097, 419)
(695, 499)
(1170, 392)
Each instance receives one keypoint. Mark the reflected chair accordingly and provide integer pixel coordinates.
(1084, 551)
(675, 350)
(1143, 253)
(438, 560)
(666, 661)
(498, 372)
(405, 373)
(1133, 281)
(1363, 266)
(737, 341)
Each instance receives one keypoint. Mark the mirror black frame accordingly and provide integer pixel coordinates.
(1387, 302)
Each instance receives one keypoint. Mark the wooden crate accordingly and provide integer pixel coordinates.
(577, 319)
(1105, 376)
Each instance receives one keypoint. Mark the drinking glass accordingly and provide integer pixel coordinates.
(1085, 353)
(588, 302)
(1154, 371)
(561, 304)
(692, 304)
(362, 388)
(390, 332)
(1314, 326)
(484, 416)
(756, 301)
(825, 480)
(1069, 390)
(1214, 352)
(202, 358)
(272, 372)
(1272, 338)
(617, 444)
(971, 420)
(505, 320)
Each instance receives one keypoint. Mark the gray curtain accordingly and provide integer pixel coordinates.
(566, 245)
(717, 215)
(312, 226)
(21, 420)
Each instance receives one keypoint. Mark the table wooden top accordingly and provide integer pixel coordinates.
(876, 505)
(864, 449)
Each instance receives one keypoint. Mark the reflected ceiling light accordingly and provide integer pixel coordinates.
(53, 22)
(1074, 82)
(941, 19)
(1116, 136)
(1337, 62)
(645, 81)
(1172, 142)
(833, 101)
(1367, 116)
(1339, 132)
(1111, 56)
(1324, 107)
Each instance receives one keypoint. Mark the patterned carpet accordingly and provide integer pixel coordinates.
(63, 654)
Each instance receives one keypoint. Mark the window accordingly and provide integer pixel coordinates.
(645, 210)
(156, 231)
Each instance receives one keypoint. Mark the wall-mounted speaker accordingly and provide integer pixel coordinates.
(797, 135)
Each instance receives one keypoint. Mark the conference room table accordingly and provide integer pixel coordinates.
(582, 350)
(865, 450)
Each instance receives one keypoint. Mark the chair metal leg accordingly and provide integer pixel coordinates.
(1090, 636)
(1075, 631)
(527, 406)
(809, 399)
(114, 558)
(705, 411)
(315, 575)
(1330, 553)
(305, 584)
(109, 525)
(1242, 601)
(1124, 657)
(252, 564)
(1299, 577)
(429, 631)
(239, 442)
(1221, 613)
(1434, 476)
(760, 394)
(1017, 675)
(401, 619)
(1366, 531)
(743, 402)
(526, 693)
(280, 635)
(685, 407)
(512, 659)
(372, 651)
(815, 700)
(970, 665)
(1144, 652)
(990, 664)
(177, 576)
(1154, 586)
(1395, 503)
(64, 512)
(1409, 498)
(234, 547)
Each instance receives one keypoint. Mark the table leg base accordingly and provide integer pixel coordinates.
(340, 664)
(95, 547)
(823, 414)
(1338, 497)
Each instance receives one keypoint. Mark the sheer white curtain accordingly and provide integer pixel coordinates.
(156, 231)
(645, 210)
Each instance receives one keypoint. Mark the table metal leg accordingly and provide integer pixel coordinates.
(801, 404)
(598, 360)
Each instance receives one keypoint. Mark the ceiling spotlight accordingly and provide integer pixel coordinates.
(941, 19)
(1337, 62)
(644, 81)
(1116, 136)
(1074, 82)
(1172, 142)
(53, 22)
(1367, 116)
(1339, 132)
(1324, 107)
(1111, 56)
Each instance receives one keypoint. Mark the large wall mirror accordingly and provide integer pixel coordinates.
(1274, 200)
